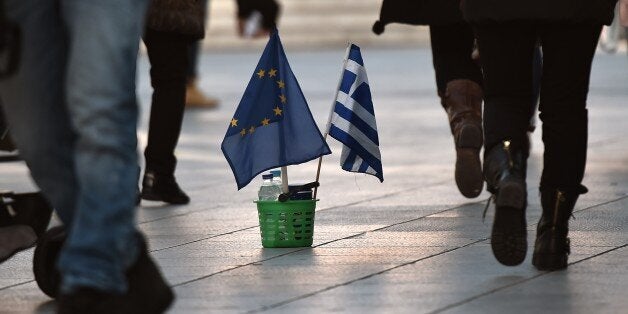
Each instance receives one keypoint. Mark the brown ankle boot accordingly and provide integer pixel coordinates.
(463, 103)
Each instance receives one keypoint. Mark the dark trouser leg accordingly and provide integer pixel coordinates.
(459, 85)
(506, 53)
(193, 51)
(168, 57)
(568, 54)
(451, 54)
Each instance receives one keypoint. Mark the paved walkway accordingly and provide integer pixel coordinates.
(409, 245)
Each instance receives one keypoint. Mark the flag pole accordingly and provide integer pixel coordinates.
(331, 113)
(284, 179)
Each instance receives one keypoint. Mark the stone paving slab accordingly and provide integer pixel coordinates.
(409, 245)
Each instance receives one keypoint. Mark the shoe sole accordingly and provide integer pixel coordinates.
(45, 258)
(508, 238)
(549, 261)
(468, 173)
(155, 197)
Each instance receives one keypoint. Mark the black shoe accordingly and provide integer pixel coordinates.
(148, 292)
(23, 218)
(87, 300)
(552, 247)
(505, 177)
(163, 188)
(45, 259)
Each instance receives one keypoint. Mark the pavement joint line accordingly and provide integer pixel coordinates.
(307, 295)
(319, 245)
(434, 184)
(203, 239)
(328, 242)
(272, 306)
(322, 209)
(543, 273)
(16, 285)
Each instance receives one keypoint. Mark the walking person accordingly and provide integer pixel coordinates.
(507, 31)
(172, 29)
(268, 10)
(71, 107)
(458, 78)
(194, 96)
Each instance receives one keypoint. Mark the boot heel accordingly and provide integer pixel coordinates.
(470, 136)
(549, 261)
(511, 194)
(509, 237)
(468, 171)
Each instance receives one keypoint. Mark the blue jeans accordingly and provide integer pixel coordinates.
(72, 110)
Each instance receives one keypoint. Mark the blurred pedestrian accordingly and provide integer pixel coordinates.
(507, 31)
(194, 96)
(256, 18)
(72, 111)
(623, 13)
(458, 78)
(168, 41)
(171, 27)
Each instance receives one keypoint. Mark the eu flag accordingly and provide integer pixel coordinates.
(273, 125)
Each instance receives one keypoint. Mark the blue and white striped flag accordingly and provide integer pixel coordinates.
(353, 120)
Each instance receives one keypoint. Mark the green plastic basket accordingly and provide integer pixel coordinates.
(287, 224)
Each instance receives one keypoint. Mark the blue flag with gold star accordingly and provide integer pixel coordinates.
(273, 125)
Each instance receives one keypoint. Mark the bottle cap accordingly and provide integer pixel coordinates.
(267, 176)
(276, 173)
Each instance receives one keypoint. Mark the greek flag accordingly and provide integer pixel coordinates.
(353, 120)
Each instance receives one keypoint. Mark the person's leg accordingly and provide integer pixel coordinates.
(506, 55)
(103, 39)
(568, 53)
(194, 96)
(193, 52)
(452, 46)
(169, 59)
(33, 101)
(458, 79)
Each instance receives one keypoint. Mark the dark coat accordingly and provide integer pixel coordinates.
(177, 17)
(418, 12)
(569, 11)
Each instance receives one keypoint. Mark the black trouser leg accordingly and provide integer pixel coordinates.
(451, 54)
(568, 53)
(506, 54)
(168, 55)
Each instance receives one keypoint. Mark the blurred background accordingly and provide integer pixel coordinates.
(314, 24)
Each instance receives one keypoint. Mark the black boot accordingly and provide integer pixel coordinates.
(505, 169)
(156, 187)
(551, 247)
(148, 293)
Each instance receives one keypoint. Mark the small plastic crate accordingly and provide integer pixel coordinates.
(286, 224)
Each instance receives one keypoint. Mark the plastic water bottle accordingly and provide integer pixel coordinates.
(269, 191)
(276, 176)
